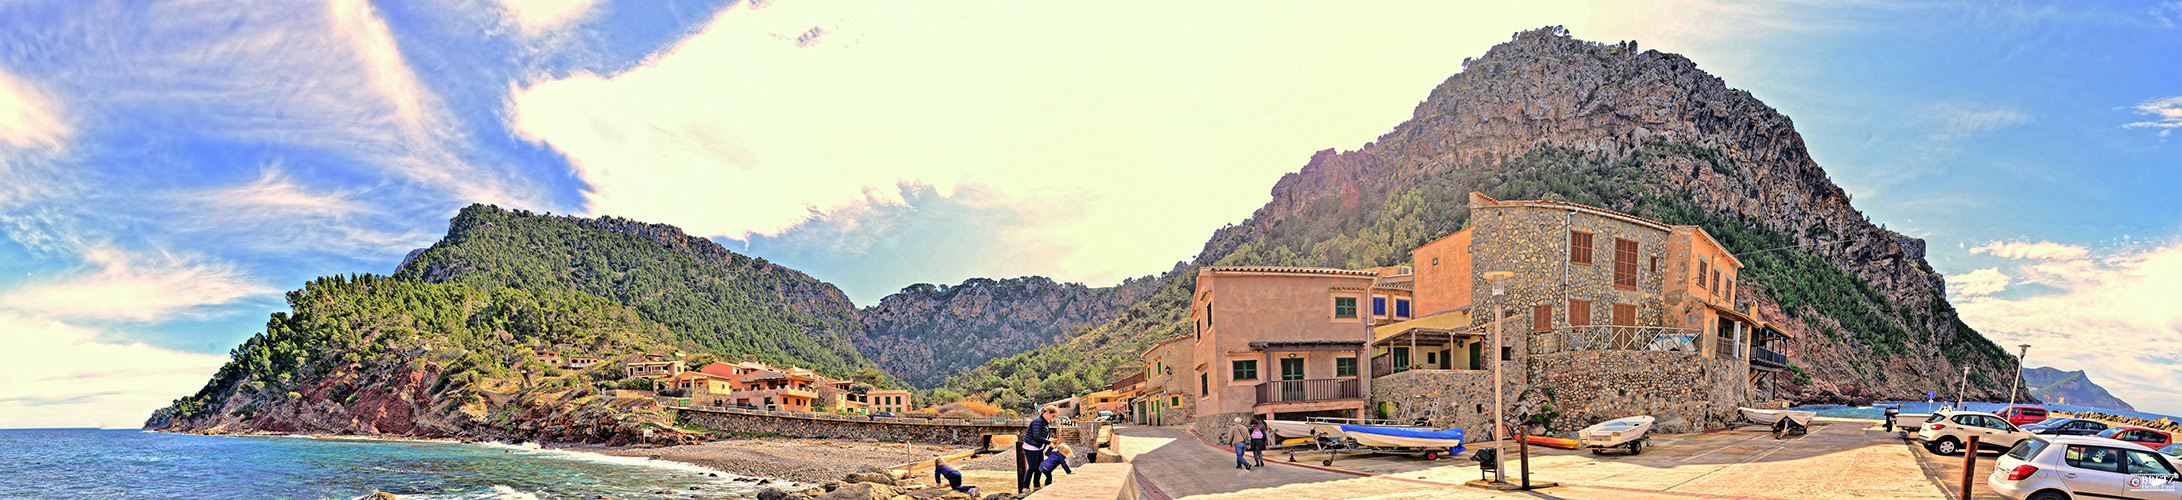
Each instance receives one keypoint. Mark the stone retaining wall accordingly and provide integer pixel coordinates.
(1685, 391)
(811, 425)
(1444, 398)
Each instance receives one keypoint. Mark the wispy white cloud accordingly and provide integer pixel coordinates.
(279, 214)
(2166, 114)
(1980, 282)
(143, 287)
(2111, 314)
(2043, 250)
(326, 76)
(64, 375)
(32, 131)
(534, 16)
(28, 116)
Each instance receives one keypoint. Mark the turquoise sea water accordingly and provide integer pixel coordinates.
(1877, 410)
(99, 464)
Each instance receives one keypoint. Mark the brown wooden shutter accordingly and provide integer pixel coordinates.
(1625, 314)
(1625, 264)
(1579, 247)
(1541, 317)
(1701, 266)
(1579, 312)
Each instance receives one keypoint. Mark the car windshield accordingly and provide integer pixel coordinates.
(2172, 450)
(2052, 421)
(2109, 433)
(1934, 418)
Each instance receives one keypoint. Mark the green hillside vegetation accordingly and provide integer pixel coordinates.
(1390, 224)
(728, 303)
(344, 326)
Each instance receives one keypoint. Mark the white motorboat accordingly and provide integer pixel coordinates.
(1401, 437)
(1800, 417)
(1616, 432)
(1290, 429)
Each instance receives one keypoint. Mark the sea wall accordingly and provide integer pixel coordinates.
(810, 425)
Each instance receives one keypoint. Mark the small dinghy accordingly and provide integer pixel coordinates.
(1800, 417)
(1617, 433)
(1551, 442)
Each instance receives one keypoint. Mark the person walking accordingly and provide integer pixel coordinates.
(1258, 435)
(1034, 444)
(1239, 435)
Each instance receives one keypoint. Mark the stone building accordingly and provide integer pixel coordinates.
(1287, 342)
(1606, 315)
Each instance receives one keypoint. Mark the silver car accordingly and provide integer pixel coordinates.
(2071, 467)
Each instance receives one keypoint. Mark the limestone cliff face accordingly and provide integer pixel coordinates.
(928, 332)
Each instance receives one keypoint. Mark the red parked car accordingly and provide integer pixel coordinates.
(2150, 438)
(2023, 415)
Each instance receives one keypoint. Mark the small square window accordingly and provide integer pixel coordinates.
(1246, 369)
(1344, 367)
(1344, 307)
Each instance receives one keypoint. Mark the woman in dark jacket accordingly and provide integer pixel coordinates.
(1258, 435)
(1034, 444)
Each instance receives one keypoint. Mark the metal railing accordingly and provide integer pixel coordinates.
(1289, 391)
(1614, 338)
(1763, 356)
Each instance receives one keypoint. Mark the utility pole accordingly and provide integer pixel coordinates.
(2018, 373)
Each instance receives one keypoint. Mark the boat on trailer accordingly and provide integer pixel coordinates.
(1800, 417)
(1287, 429)
(1617, 433)
(1400, 437)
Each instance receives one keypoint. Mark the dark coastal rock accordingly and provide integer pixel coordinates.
(831, 485)
(772, 494)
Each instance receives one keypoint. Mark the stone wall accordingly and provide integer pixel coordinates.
(808, 425)
(1444, 398)
(1685, 391)
(1532, 242)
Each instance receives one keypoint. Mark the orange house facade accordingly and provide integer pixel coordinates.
(1288, 342)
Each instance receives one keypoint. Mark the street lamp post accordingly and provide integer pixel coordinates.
(2018, 372)
(1499, 281)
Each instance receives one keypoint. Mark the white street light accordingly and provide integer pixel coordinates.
(1499, 281)
(2018, 373)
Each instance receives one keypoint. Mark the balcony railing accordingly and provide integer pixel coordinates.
(1766, 358)
(1614, 338)
(1291, 391)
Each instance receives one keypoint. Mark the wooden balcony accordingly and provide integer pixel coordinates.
(1765, 359)
(1298, 391)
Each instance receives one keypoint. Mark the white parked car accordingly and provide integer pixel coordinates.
(2071, 467)
(1947, 432)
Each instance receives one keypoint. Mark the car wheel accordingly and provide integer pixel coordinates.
(1946, 446)
(2048, 495)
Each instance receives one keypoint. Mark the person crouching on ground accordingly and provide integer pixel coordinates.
(1239, 435)
(1257, 442)
(1035, 440)
(941, 472)
(1056, 458)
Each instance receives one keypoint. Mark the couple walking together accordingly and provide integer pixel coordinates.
(1248, 438)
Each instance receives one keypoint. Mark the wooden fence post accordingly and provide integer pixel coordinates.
(1969, 466)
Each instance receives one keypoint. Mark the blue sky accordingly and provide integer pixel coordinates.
(168, 169)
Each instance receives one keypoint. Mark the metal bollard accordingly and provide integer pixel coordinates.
(1969, 466)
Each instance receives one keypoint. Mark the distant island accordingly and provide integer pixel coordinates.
(2054, 386)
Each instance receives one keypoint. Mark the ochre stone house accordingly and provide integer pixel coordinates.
(1167, 395)
(1606, 315)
